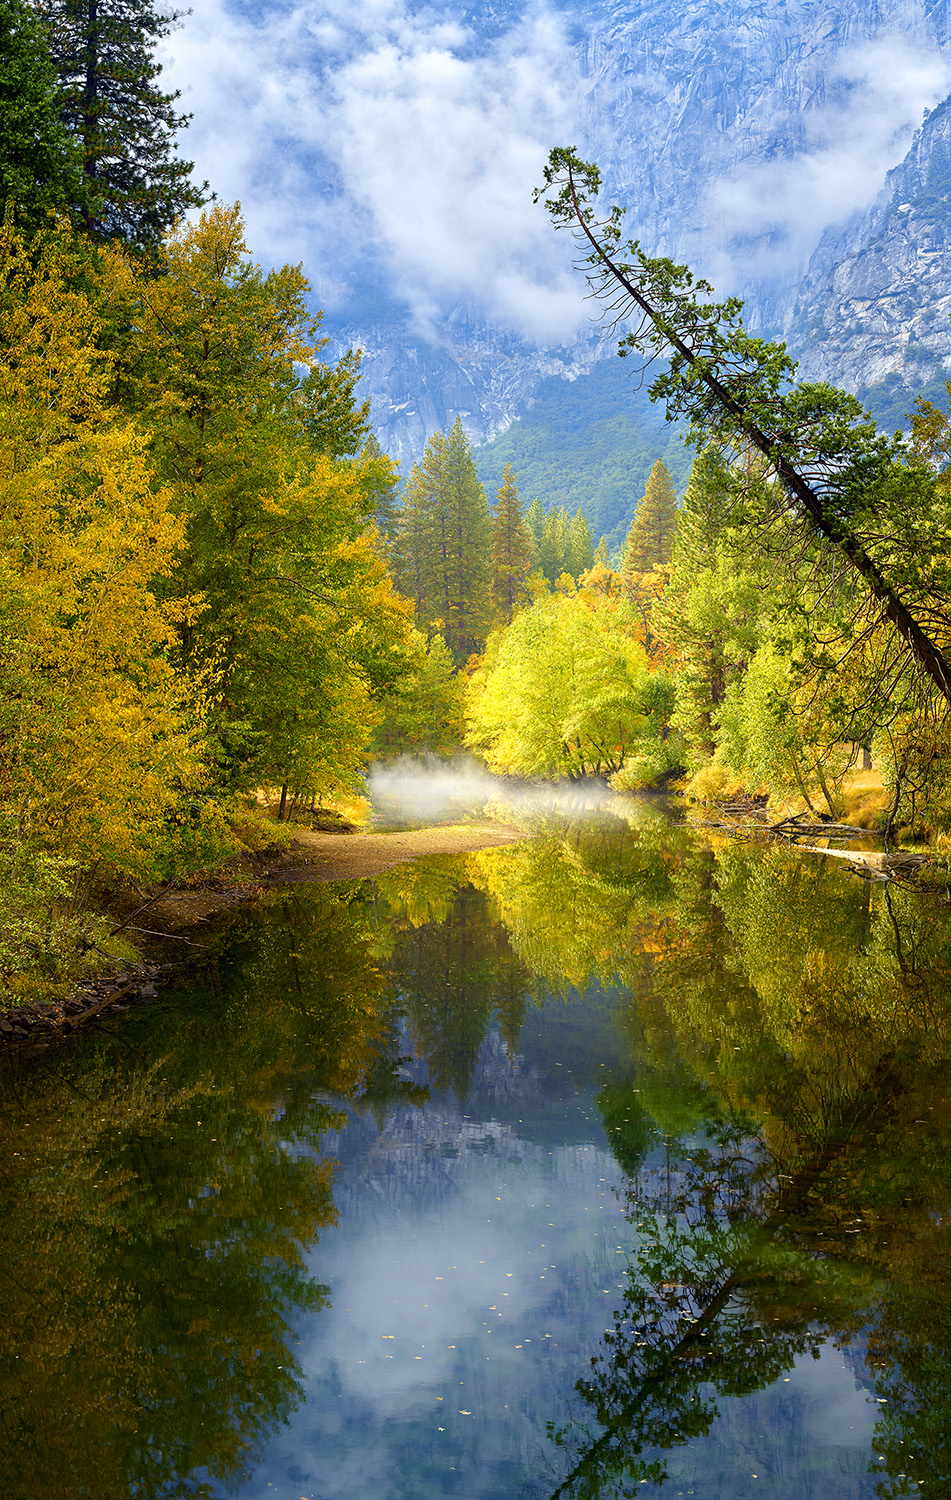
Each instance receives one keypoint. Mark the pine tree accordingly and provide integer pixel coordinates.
(464, 541)
(103, 52)
(40, 166)
(442, 551)
(383, 486)
(580, 548)
(651, 537)
(535, 518)
(704, 614)
(553, 547)
(412, 554)
(511, 550)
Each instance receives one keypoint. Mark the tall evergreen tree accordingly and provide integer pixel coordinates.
(383, 487)
(464, 536)
(651, 537)
(442, 551)
(412, 550)
(707, 613)
(511, 550)
(40, 166)
(553, 547)
(103, 53)
(535, 518)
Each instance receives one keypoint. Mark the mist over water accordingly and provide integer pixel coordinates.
(428, 790)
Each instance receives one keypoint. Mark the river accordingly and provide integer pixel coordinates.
(613, 1162)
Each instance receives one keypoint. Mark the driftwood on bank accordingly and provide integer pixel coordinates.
(745, 817)
(746, 814)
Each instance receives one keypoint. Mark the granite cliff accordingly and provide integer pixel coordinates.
(734, 133)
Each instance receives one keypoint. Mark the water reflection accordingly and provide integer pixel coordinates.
(689, 1101)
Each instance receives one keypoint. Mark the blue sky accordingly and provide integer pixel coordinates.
(391, 146)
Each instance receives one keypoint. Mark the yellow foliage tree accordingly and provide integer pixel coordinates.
(98, 730)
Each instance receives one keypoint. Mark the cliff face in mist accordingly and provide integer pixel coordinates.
(731, 131)
(877, 299)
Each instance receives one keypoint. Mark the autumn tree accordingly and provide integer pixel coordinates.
(113, 106)
(511, 550)
(563, 691)
(296, 626)
(101, 734)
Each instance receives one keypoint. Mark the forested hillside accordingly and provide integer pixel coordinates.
(589, 443)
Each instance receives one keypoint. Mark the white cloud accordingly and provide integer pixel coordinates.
(373, 134)
(878, 92)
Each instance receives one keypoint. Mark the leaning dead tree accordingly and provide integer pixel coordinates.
(860, 493)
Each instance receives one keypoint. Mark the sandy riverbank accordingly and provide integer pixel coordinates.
(358, 856)
(323, 857)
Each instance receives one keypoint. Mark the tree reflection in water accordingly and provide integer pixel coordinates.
(790, 1040)
(161, 1188)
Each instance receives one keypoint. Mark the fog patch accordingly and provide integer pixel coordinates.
(427, 790)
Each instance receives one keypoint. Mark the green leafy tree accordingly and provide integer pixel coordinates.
(511, 550)
(565, 691)
(424, 710)
(840, 487)
(298, 627)
(40, 165)
(113, 106)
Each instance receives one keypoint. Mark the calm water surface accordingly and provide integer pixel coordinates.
(614, 1162)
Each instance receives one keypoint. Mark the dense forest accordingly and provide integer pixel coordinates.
(218, 606)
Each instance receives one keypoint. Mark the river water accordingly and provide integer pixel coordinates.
(614, 1162)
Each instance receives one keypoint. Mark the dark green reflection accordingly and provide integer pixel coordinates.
(789, 1034)
(454, 967)
(161, 1186)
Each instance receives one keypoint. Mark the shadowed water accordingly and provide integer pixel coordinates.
(612, 1162)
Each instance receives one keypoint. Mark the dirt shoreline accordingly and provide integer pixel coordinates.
(311, 857)
(359, 856)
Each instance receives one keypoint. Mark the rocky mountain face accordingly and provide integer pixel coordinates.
(483, 375)
(718, 123)
(876, 303)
